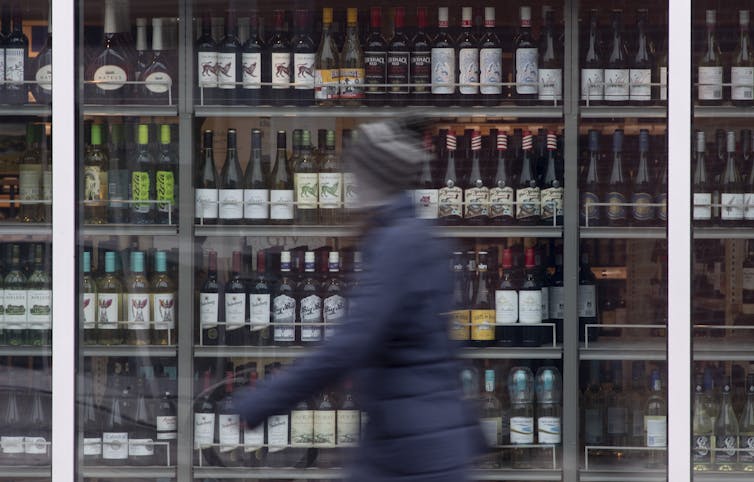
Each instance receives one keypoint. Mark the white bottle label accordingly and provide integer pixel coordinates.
(88, 302)
(733, 206)
(749, 205)
(281, 70)
(530, 306)
(450, 201)
(522, 430)
(490, 71)
(640, 88)
(108, 313)
(92, 446)
(587, 301)
(527, 77)
(251, 68)
(443, 70)
(281, 204)
(226, 70)
(35, 445)
(166, 427)
(206, 63)
(253, 438)
(528, 202)
(348, 427)
(204, 430)
(501, 202)
(350, 190)
(548, 430)
(277, 433)
(306, 187)
(138, 311)
(310, 311)
(477, 202)
(657, 430)
(303, 71)
(158, 82)
(284, 311)
(12, 445)
(334, 310)
(425, 203)
(229, 431)
(164, 311)
(140, 447)
(330, 190)
(231, 203)
(109, 77)
(492, 428)
(14, 65)
(44, 77)
(206, 203)
(235, 310)
(592, 84)
(702, 209)
(324, 427)
(302, 427)
(259, 311)
(15, 309)
(710, 83)
(256, 203)
(616, 84)
(115, 445)
(557, 302)
(40, 309)
(208, 309)
(552, 202)
(29, 186)
(663, 83)
(551, 84)
(506, 306)
(468, 70)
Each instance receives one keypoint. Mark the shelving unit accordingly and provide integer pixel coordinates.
(623, 233)
(638, 475)
(130, 110)
(624, 350)
(129, 230)
(723, 233)
(129, 351)
(36, 110)
(328, 474)
(25, 350)
(722, 112)
(615, 112)
(539, 112)
(26, 472)
(351, 231)
(25, 230)
(128, 472)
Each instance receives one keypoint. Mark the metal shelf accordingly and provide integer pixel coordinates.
(14, 473)
(723, 349)
(622, 349)
(129, 230)
(623, 233)
(514, 353)
(499, 231)
(638, 475)
(25, 110)
(723, 233)
(548, 112)
(25, 351)
(131, 110)
(324, 474)
(722, 477)
(129, 350)
(613, 112)
(128, 472)
(25, 229)
(722, 111)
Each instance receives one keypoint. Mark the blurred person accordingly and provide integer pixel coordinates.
(394, 341)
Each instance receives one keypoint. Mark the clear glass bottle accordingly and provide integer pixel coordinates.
(726, 433)
(521, 390)
(642, 63)
(327, 64)
(731, 186)
(330, 180)
(710, 66)
(139, 321)
(592, 66)
(656, 423)
(642, 186)
(702, 430)
(491, 422)
(548, 388)
(351, 63)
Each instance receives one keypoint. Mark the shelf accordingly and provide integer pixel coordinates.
(25, 229)
(724, 233)
(638, 475)
(14, 473)
(612, 112)
(129, 230)
(25, 351)
(548, 112)
(722, 111)
(499, 231)
(327, 474)
(25, 110)
(623, 233)
(707, 349)
(622, 349)
(131, 110)
(517, 353)
(722, 476)
(129, 350)
(128, 472)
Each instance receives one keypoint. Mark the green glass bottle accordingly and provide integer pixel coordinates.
(305, 180)
(330, 184)
(109, 299)
(142, 179)
(95, 179)
(165, 179)
(137, 302)
(88, 310)
(163, 302)
(15, 300)
(39, 300)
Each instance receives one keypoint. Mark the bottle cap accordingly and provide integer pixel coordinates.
(231, 138)
(160, 262)
(743, 18)
(731, 141)
(450, 140)
(644, 140)
(137, 261)
(141, 22)
(165, 134)
(327, 15)
(157, 34)
(594, 140)
(421, 17)
(552, 142)
(489, 16)
(352, 16)
(86, 261)
(400, 16)
(618, 140)
(208, 136)
(333, 261)
(96, 135)
(502, 141)
(442, 17)
(466, 13)
(489, 381)
(701, 143)
(143, 134)
(375, 17)
(476, 141)
(711, 17)
(507, 258)
(530, 259)
(281, 140)
(256, 139)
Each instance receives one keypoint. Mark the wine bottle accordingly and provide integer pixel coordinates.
(118, 175)
(236, 332)
(525, 60)
(593, 428)
(443, 62)
(468, 60)
(304, 53)
(137, 302)
(327, 64)
(230, 451)
(351, 63)
(209, 305)
(254, 66)
(642, 63)
(16, 302)
(165, 180)
(204, 424)
(163, 294)
(230, 194)
(710, 66)
(280, 61)
(557, 297)
(746, 147)
(256, 195)
(421, 60)
(616, 187)
(142, 432)
(334, 303)
(324, 430)
(310, 303)
(281, 186)
(731, 192)
(617, 73)
(592, 67)
(158, 78)
(746, 428)
(425, 194)
(206, 63)
(16, 62)
(528, 207)
(375, 59)
(587, 299)
(491, 422)
(115, 428)
(39, 295)
(109, 304)
(30, 176)
(490, 61)
(530, 302)
(166, 429)
(398, 60)
(548, 412)
(702, 429)
(302, 433)
(477, 194)
(42, 90)
(506, 304)
(502, 209)
(91, 421)
(88, 300)
(550, 72)
(142, 180)
(253, 437)
(111, 67)
(330, 181)
(228, 65)
(726, 432)
(552, 186)
(260, 290)
(521, 392)
(306, 180)
(284, 304)
(702, 193)
(141, 55)
(348, 419)
(482, 306)
(205, 185)
(641, 195)
(742, 65)
(617, 411)
(450, 197)
(459, 320)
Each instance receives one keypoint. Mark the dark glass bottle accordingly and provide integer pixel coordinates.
(280, 61)
(43, 68)
(528, 208)
(256, 193)
(421, 60)
(731, 187)
(166, 177)
(450, 197)
(398, 60)
(557, 297)
(617, 74)
(206, 63)
(284, 305)
(530, 302)
(375, 59)
(477, 194)
(642, 63)
(16, 62)
(490, 61)
(502, 194)
(281, 186)
(143, 186)
(592, 66)
(209, 305)
(506, 304)
(260, 289)
(91, 421)
(111, 67)
(459, 316)
(158, 73)
(255, 68)
(426, 192)
(443, 62)
(228, 427)
(166, 425)
(742, 65)
(643, 188)
(617, 189)
(552, 186)
(661, 186)
(587, 298)
(710, 66)
(304, 53)
(306, 183)
(204, 424)
(230, 194)
(702, 191)
(236, 331)
(142, 432)
(550, 72)
(228, 60)
(482, 306)
(117, 177)
(468, 60)
(748, 165)
(310, 303)
(525, 61)
(205, 184)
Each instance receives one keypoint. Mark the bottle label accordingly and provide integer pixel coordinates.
(95, 183)
(733, 206)
(397, 71)
(663, 83)
(281, 204)
(492, 429)
(443, 70)
(557, 302)
(310, 311)
(138, 311)
(425, 203)
(746, 442)
(351, 83)
(657, 430)
(726, 446)
(12, 445)
(548, 430)
(450, 202)
(506, 306)
(284, 311)
(748, 205)
(259, 310)
(231, 203)
(306, 189)
(255, 203)
(545, 302)
(115, 445)
(615, 211)
(29, 176)
(14, 65)
(711, 83)
(483, 325)
(459, 324)
(277, 433)
(527, 77)
(587, 301)
(551, 84)
(421, 71)
(166, 427)
(330, 190)
(552, 202)
(350, 190)
(642, 212)
(334, 309)
(165, 189)
(528, 202)
(592, 85)
(302, 427)
(208, 309)
(477, 202)
(253, 438)
(140, 447)
(303, 65)
(109, 77)
(35, 445)
(616, 420)
(140, 187)
(281, 70)
(468, 71)
(40, 309)
(228, 431)
(522, 430)
(324, 427)
(640, 88)
(204, 430)
(206, 63)
(158, 82)
(375, 71)
(44, 78)
(235, 310)
(530, 306)
(702, 209)
(501, 202)
(251, 68)
(616, 84)
(88, 302)
(591, 213)
(15, 309)
(593, 427)
(326, 84)
(108, 310)
(348, 427)
(92, 446)
(700, 449)
(490, 71)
